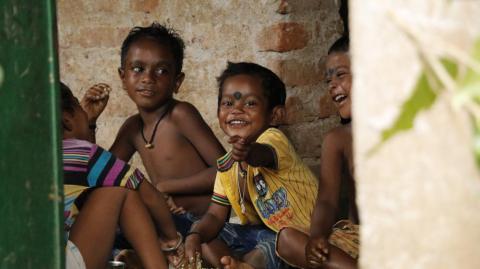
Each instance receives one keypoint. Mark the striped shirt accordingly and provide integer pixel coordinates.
(86, 166)
(281, 197)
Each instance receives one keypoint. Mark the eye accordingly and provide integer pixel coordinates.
(161, 71)
(250, 103)
(137, 69)
(226, 103)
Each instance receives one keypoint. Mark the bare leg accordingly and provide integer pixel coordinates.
(213, 251)
(230, 263)
(291, 247)
(94, 230)
(139, 230)
(158, 209)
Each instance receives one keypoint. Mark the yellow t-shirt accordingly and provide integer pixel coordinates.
(282, 197)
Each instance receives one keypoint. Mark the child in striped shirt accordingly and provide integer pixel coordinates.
(262, 178)
(103, 193)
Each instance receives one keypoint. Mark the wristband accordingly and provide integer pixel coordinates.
(179, 242)
(192, 232)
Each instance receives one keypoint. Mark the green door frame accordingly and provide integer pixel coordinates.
(31, 182)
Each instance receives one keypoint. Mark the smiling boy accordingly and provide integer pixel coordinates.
(261, 178)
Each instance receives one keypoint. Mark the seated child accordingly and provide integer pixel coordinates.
(177, 147)
(102, 193)
(336, 246)
(261, 178)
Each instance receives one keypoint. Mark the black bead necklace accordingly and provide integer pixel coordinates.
(149, 143)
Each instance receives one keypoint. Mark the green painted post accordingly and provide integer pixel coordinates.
(31, 205)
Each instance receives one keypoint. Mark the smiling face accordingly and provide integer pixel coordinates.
(339, 81)
(243, 109)
(149, 75)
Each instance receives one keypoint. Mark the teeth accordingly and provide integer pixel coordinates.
(339, 97)
(237, 122)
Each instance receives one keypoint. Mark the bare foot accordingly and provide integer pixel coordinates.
(230, 263)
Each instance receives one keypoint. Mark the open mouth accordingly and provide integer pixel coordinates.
(339, 98)
(237, 123)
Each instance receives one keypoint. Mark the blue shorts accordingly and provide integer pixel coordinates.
(183, 222)
(242, 239)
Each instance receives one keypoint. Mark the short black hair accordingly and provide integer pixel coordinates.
(67, 100)
(160, 33)
(272, 85)
(341, 45)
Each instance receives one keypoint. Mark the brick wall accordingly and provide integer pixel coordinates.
(290, 37)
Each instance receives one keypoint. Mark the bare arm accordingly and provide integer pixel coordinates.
(123, 147)
(329, 186)
(159, 211)
(193, 127)
(206, 229)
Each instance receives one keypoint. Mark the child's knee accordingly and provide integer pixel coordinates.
(283, 237)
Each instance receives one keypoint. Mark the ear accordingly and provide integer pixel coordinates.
(278, 116)
(121, 74)
(179, 81)
(67, 122)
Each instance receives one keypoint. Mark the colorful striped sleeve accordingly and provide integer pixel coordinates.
(107, 170)
(219, 196)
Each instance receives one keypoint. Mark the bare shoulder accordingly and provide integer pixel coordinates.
(338, 136)
(131, 125)
(186, 117)
(183, 110)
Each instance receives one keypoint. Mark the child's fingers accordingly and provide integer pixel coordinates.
(99, 91)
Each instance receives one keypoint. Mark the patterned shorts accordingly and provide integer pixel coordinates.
(345, 236)
(241, 239)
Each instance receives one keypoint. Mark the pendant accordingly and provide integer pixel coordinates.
(149, 146)
(243, 208)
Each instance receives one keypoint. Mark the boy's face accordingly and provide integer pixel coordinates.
(149, 74)
(243, 109)
(76, 123)
(339, 81)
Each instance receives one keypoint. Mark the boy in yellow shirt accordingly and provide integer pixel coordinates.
(261, 178)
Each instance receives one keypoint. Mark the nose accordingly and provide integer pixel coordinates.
(148, 76)
(237, 107)
(332, 84)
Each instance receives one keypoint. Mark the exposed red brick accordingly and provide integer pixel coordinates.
(144, 5)
(296, 73)
(326, 107)
(282, 37)
(294, 110)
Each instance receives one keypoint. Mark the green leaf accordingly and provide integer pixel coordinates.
(422, 98)
(476, 141)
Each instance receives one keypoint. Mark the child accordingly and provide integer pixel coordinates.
(261, 178)
(102, 192)
(177, 147)
(336, 247)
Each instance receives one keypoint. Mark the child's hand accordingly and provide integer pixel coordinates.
(174, 209)
(240, 148)
(193, 251)
(95, 100)
(316, 252)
